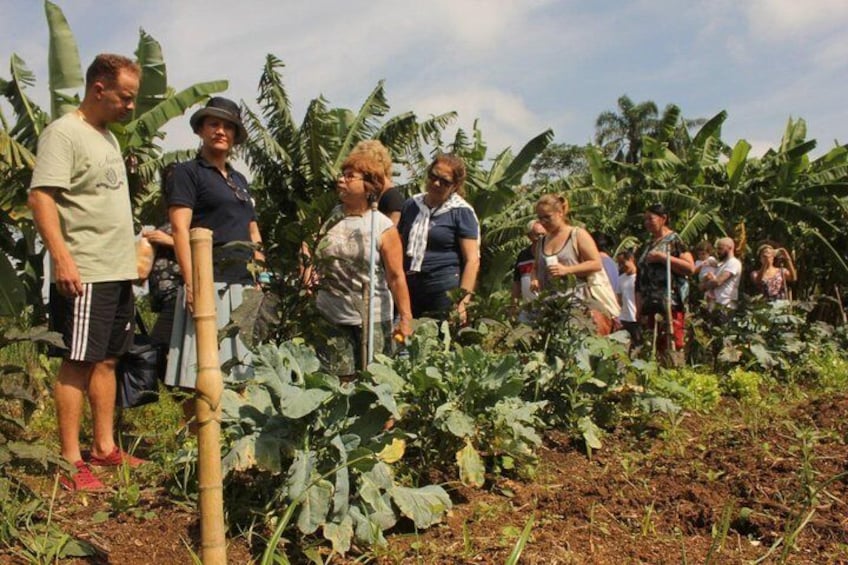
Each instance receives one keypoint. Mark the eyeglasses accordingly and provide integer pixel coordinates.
(347, 177)
(240, 193)
(439, 180)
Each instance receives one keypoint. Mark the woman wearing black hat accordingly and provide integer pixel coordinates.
(656, 292)
(207, 192)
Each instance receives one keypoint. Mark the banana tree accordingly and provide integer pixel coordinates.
(157, 104)
(502, 202)
(295, 166)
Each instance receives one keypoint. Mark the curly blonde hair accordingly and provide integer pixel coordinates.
(377, 151)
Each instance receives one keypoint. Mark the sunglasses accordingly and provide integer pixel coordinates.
(241, 194)
(439, 180)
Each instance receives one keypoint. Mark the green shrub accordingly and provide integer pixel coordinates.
(742, 384)
(690, 388)
(829, 368)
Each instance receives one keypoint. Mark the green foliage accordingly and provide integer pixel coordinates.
(830, 368)
(693, 389)
(25, 532)
(20, 395)
(328, 439)
(463, 403)
(742, 384)
(574, 371)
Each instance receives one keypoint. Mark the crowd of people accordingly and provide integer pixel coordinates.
(379, 257)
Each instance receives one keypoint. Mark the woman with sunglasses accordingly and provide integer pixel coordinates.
(207, 192)
(340, 271)
(441, 236)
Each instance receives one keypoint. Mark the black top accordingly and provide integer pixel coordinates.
(221, 205)
(391, 201)
(524, 263)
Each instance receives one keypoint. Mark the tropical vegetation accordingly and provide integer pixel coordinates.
(310, 458)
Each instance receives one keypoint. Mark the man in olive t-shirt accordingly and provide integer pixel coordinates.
(80, 203)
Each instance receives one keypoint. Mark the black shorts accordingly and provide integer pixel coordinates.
(95, 326)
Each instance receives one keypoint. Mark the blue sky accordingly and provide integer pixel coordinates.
(517, 66)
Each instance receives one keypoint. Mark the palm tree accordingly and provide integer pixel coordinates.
(295, 166)
(620, 134)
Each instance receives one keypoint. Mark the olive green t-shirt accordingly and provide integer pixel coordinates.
(92, 196)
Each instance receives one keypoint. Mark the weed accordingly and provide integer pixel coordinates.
(521, 542)
(647, 526)
(719, 531)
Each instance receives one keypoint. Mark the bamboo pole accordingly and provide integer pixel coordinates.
(208, 402)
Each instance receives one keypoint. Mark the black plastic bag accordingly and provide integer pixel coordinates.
(140, 369)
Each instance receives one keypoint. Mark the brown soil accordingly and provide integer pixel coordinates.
(659, 496)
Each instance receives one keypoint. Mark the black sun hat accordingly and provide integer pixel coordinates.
(223, 108)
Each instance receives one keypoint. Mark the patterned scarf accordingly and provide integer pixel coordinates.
(417, 244)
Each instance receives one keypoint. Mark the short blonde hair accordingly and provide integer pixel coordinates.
(377, 151)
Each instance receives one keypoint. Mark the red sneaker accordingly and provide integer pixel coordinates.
(116, 458)
(82, 480)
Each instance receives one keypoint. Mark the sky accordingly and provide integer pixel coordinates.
(517, 66)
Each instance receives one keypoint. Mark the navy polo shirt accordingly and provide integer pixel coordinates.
(224, 207)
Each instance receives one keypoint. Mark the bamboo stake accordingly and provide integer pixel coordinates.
(208, 402)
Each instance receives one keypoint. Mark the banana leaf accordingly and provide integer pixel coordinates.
(63, 61)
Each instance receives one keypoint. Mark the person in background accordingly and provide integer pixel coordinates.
(776, 271)
(208, 192)
(662, 251)
(724, 283)
(627, 296)
(165, 276)
(80, 202)
(391, 200)
(441, 237)
(522, 273)
(341, 271)
(604, 244)
(569, 250)
(705, 265)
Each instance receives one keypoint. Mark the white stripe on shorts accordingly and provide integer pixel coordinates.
(82, 318)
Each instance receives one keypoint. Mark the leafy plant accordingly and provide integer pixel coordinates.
(464, 403)
(742, 384)
(691, 388)
(329, 441)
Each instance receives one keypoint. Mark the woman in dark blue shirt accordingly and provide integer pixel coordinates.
(207, 192)
(441, 236)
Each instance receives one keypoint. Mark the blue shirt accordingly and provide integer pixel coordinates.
(442, 263)
(223, 206)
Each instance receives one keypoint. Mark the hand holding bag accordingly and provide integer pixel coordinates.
(140, 369)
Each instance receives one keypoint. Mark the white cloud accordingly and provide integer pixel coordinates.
(520, 66)
(777, 20)
(504, 118)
